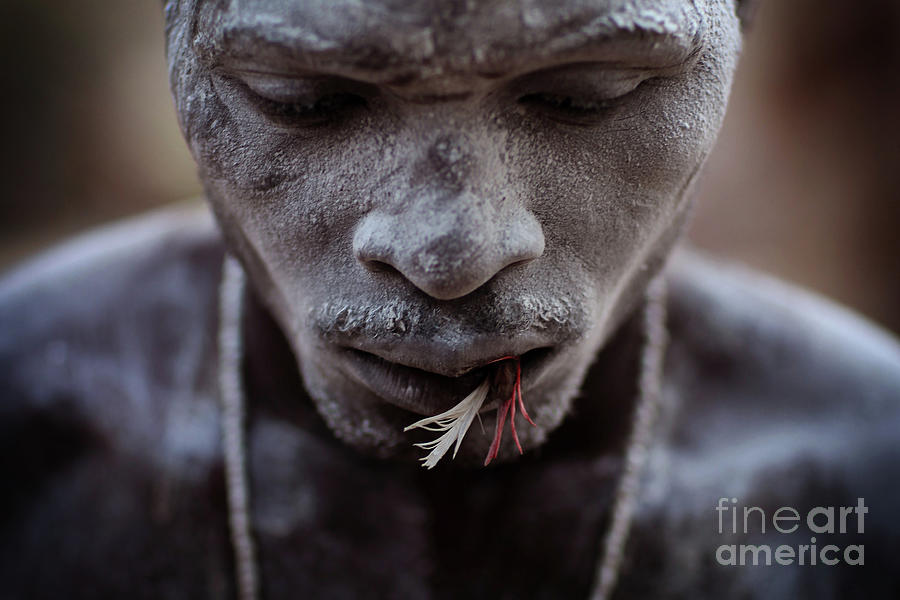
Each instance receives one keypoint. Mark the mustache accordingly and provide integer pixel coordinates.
(559, 317)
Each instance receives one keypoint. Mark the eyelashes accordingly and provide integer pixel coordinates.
(569, 108)
(581, 110)
(299, 102)
(327, 109)
(333, 109)
(306, 103)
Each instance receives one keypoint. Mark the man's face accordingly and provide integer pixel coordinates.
(419, 188)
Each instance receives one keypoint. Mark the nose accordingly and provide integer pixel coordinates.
(443, 236)
(448, 244)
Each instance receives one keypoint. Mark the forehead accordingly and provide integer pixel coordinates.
(445, 34)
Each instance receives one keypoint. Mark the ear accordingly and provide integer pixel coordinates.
(745, 11)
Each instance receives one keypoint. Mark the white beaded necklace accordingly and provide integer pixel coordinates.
(231, 392)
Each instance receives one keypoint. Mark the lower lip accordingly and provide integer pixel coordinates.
(423, 392)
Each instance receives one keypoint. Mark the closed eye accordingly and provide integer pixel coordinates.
(291, 101)
(567, 104)
(580, 93)
(579, 110)
(330, 108)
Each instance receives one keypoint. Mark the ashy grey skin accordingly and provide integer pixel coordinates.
(440, 184)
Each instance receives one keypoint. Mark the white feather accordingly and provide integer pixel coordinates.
(455, 422)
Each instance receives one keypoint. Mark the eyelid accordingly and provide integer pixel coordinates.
(285, 88)
(300, 87)
(292, 103)
(583, 82)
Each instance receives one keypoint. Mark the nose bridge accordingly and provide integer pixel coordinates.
(447, 235)
(449, 162)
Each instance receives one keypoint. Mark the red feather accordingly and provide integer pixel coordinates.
(509, 407)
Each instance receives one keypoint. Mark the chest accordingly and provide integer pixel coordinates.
(336, 529)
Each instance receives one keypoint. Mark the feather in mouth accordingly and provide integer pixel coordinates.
(454, 423)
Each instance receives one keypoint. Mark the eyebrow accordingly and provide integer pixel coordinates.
(382, 61)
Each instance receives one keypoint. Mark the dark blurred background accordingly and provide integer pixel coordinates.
(805, 182)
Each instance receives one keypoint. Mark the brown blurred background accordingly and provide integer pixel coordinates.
(805, 182)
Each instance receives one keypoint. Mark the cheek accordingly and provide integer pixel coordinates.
(294, 195)
(605, 194)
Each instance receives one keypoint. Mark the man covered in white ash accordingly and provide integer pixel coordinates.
(444, 236)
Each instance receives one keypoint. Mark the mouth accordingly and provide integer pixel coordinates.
(426, 392)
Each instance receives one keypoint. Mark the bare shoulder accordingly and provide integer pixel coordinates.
(773, 376)
(785, 348)
(102, 334)
(108, 417)
(775, 397)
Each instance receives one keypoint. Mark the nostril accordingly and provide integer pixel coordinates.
(446, 249)
(377, 266)
(520, 262)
